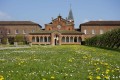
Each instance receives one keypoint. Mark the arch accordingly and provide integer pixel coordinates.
(75, 39)
(67, 39)
(33, 39)
(63, 39)
(45, 39)
(41, 39)
(37, 39)
(79, 39)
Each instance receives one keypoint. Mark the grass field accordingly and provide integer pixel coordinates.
(66, 62)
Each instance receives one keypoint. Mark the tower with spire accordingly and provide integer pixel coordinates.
(70, 15)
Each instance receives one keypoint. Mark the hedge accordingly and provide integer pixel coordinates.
(110, 39)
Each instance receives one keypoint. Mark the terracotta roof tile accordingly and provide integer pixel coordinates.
(17, 22)
(101, 23)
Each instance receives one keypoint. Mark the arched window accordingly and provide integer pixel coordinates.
(79, 39)
(63, 39)
(67, 39)
(37, 39)
(41, 39)
(45, 38)
(75, 39)
(33, 39)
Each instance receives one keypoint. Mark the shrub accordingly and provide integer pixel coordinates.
(110, 39)
(4, 40)
(19, 38)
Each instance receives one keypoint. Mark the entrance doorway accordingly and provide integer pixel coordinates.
(56, 39)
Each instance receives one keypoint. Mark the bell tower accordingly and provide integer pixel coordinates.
(70, 16)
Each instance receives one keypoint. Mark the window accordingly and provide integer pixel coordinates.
(8, 31)
(33, 30)
(85, 31)
(16, 32)
(101, 31)
(0, 32)
(93, 31)
(24, 32)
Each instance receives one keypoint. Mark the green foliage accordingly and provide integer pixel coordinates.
(110, 39)
(63, 62)
(4, 40)
(19, 38)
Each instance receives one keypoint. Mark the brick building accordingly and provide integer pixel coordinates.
(93, 28)
(12, 28)
(59, 31)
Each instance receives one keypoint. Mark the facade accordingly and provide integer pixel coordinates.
(10, 29)
(93, 28)
(59, 31)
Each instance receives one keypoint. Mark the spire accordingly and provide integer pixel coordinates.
(70, 15)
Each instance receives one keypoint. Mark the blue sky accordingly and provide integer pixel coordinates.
(41, 11)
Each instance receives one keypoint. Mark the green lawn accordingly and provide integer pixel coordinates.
(66, 62)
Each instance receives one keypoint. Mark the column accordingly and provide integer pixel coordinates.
(35, 39)
(47, 38)
(77, 39)
(69, 39)
(43, 39)
(39, 38)
(65, 39)
(73, 39)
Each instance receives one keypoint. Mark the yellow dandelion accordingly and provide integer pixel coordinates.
(1, 77)
(90, 77)
(107, 77)
(70, 60)
(98, 77)
(43, 79)
(107, 71)
(52, 77)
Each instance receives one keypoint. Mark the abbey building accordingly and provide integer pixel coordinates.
(58, 32)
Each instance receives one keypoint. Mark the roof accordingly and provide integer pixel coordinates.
(60, 31)
(101, 23)
(18, 22)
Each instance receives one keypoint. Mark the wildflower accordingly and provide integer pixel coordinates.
(52, 77)
(106, 77)
(1, 77)
(43, 79)
(70, 60)
(97, 69)
(66, 74)
(107, 71)
(90, 77)
(98, 77)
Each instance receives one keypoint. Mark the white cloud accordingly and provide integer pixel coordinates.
(86, 20)
(4, 16)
